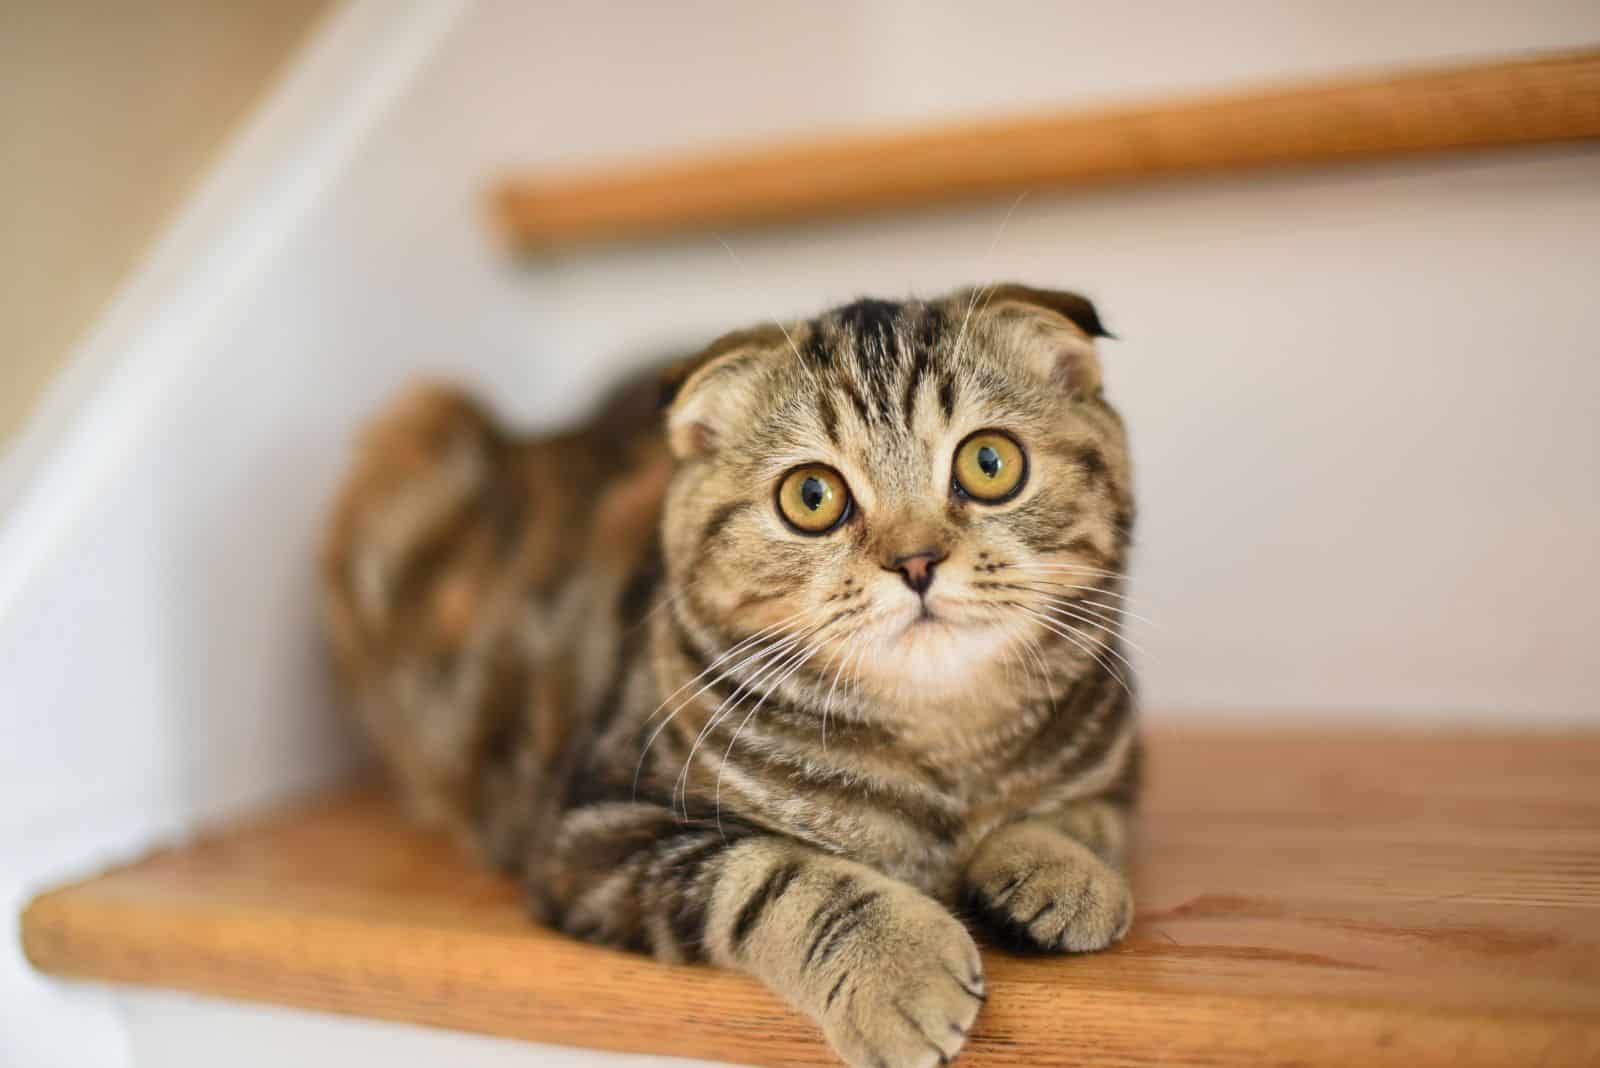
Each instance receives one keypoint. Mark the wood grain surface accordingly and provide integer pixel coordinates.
(1310, 898)
(1538, 100)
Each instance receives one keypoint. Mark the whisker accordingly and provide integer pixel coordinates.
(755, 658)
(1030, 650)
(757, 636)
(1031, 644)
(667, 599)
(1098, 590)
(759, 654)
(772, 660)
(1070, 634)
(776, 322)
(983, 266)
(808, 652)
(1017, 649)
(827, 705)
(1060, 612)
(1081, 569)
(1085, 603)
(758, 661)
(1107, 613)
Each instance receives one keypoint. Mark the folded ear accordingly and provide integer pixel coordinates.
(703, 394)
(1052, 330)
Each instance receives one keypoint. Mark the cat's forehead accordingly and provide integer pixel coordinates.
(869, 340)
(864, 379)
(888, 380)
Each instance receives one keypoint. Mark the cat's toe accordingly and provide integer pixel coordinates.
(1066, 901)
(912, 1001)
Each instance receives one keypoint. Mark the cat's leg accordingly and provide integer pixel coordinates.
(1055, 882)
(890, 975)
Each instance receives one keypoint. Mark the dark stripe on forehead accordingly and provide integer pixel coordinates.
(919, 370)
(883, 393)
(871, 327)
(856, 400)
(829, 416)
(947, 395)
(816, 349)
(931, 327)
(870, 324)
(925, 338)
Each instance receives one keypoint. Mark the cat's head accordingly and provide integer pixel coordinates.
(922, 496)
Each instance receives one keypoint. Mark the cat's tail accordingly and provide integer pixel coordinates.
(417, 567)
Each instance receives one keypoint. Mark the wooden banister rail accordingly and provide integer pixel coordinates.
(1543, 99)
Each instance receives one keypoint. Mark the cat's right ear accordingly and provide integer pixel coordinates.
(705, 392)
(1054, 330)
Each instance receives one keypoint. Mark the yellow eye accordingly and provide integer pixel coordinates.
(990, 467)
(813, 499)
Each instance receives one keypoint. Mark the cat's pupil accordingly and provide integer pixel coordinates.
(813, 493)
(988, 461)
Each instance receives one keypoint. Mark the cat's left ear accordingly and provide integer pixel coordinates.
(1054, 331)
(703, 394)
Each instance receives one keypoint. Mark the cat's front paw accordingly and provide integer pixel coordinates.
(906, 992)
(1041, 890)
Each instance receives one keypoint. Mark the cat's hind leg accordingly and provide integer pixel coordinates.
(418, 575)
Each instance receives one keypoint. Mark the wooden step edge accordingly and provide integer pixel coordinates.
(538, 986)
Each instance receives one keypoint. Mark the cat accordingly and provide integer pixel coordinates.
(779, 661)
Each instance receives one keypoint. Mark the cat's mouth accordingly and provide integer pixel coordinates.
(939, 647)
(929, 617)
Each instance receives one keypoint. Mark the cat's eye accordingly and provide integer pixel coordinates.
(990, 467)
(813, 499)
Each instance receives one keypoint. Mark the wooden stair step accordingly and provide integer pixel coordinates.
(1337, 897)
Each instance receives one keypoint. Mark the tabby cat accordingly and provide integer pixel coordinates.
(781, 677)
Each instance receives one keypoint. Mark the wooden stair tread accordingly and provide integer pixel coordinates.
(1315, 897)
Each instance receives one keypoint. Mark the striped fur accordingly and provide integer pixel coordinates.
(605, 662)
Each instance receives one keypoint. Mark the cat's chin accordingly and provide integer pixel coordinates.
(936, 651)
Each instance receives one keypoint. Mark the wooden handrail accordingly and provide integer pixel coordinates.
(1542, 99)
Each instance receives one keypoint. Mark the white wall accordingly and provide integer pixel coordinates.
(1363, 401)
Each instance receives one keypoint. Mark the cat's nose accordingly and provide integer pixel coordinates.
(917, 568)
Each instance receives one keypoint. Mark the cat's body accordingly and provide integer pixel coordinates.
(767, 684)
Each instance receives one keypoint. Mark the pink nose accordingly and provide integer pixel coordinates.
(917, 568)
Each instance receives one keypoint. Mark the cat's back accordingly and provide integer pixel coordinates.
(471, 588)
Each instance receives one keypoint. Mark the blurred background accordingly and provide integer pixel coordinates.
(1363, 400)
